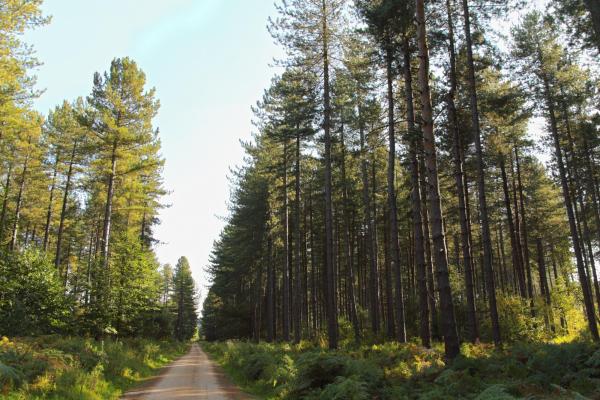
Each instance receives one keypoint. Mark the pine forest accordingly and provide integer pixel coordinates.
(417, 213)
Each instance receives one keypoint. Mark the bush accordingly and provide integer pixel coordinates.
(33, 300)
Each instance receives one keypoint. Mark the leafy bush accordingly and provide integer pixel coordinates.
(32, 300)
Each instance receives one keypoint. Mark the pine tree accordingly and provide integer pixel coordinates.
(449, 329)
(483, 207)
(536, 46)
(121, 117)
(184, 299)
(386, 26)
(309, 32)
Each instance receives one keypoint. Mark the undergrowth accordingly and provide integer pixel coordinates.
(409, 371)
(55, 367)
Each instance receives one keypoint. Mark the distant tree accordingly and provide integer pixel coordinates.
(166, 284)
(184, 300)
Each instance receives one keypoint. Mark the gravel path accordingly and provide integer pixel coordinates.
(193, 376)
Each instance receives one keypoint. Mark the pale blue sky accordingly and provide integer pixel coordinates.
(208, 60)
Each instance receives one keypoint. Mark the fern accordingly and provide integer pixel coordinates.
(10, 377)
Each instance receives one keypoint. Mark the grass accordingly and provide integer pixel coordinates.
(409, 371)
(73, 368)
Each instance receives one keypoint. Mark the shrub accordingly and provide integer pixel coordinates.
(33, 300)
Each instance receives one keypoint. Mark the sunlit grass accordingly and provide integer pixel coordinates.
(64, 368)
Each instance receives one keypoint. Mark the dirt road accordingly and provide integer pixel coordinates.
(193, 376)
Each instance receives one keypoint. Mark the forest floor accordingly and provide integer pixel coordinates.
(75, 368)
(193, 376)
(409, 371)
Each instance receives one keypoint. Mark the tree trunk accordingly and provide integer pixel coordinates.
(332, 325)
(63, 212)
(483, 210)
(270, 292)
(586, 237)
(391, 194)
(15, 230)
(433, 312)
(297, 247)
(347, 248)
(581, 218)
(504, 280)
(285, 313)
(544, 284)
(514, 243)
(518, 230)
(50, 203)
(592, 186)
(258, 284)
(524, 232)
(371, 241)
(108, 208)
(472, 326)
(5, 201)
(143, 228)
(86, 295)
(313, 264)
(449, 330)
(375, 237)
(417, 217)
(593, 7)
(390, 322)
(583, 279)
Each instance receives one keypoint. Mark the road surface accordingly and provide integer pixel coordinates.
(193, 376)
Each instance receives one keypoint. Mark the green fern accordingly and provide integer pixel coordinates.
(9, 376)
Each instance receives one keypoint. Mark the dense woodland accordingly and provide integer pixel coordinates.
(80, 195)
(418, 173)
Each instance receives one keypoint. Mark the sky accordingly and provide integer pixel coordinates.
(209, 62)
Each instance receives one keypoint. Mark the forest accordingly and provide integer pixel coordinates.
(417, 215)
(80, 195)
(421, 172)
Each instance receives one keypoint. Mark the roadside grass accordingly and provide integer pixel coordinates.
(74, 368)
(557, 370)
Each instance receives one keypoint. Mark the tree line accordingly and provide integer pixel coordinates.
(80, 196)
(394, 188)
